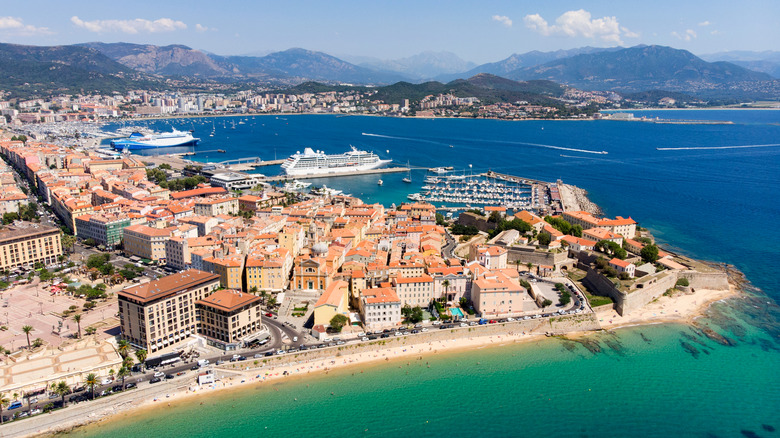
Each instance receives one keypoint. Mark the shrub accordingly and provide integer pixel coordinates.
(683, 282)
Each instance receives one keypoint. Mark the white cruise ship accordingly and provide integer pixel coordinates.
(312, 162)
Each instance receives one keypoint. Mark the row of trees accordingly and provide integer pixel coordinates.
(564, 226)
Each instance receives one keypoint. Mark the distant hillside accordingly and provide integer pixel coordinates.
(640, 68)
(174, 60)
(38, 71)
(424, 65)
(767, 61)
(517, 61)
(487, 88)
(310, 65)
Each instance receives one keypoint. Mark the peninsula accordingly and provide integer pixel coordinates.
(159, 287)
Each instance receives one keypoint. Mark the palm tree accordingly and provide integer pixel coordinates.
(91, 382)
(77, 318)
(445, 284)
(141, 355)
(62, 389)
(124, 347)
(3, 403)
(27, 329)
(123, 372)
(127, 362)
(530, 265)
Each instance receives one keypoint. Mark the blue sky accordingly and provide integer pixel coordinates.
(478, 31)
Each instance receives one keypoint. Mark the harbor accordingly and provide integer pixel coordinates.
(461, 192)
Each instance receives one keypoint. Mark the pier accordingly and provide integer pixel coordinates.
(334, 175)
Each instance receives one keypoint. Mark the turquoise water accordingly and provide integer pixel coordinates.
(456, 312)
(656, 381)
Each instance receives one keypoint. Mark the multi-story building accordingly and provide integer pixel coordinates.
(105, 229)
(380, 308)
(495, 294)
(227, 318)
(25, 243)
(146, 242)
(415, 291)
(162, 312)
(215, 206)
(332, 302)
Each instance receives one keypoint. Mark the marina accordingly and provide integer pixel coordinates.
(488, 189)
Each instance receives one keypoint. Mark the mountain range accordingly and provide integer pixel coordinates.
(639, 69)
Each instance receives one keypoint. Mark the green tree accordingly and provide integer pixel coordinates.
(62, 389)
(123, 347)
(4, 401)
(27, 329)
(77, 318)
(565, 298)
(141, 355)
(544, 239)
(546, 303)
(338, 322)
(67, 241)
(92, 382)
(446, 285)
(122, 374)
(649, 253)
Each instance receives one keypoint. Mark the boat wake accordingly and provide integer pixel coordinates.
(421, 140)
(546, 146)
(703, 148)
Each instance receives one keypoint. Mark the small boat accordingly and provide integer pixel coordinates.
(380, 182)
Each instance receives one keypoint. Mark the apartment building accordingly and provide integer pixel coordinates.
(162, 312)
(105, 229)
(146, 242)
(216, 206)
(227, 318)
(25, 243)
(380, 308)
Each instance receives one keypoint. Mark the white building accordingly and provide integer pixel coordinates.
(380, 308)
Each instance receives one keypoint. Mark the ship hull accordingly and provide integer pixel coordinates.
(133, 145)
(335, 170)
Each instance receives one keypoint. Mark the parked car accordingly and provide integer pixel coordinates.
(169, 376)
(106, 381)
(130, 385)
(159, 374)
(155, 380)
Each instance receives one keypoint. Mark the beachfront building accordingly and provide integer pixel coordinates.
(229, 318)
(26, 243)
(414, 291)
(599, 234)
(105, 229)
(331, 303)
(380, 308)
(495, 294)
(457, 286)
(162, 313)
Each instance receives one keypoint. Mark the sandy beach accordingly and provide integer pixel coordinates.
(679, 309)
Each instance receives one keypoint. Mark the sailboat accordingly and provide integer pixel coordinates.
(408, 178)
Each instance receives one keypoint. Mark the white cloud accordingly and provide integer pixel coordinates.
(201, 28)
(503, 19)
(704, 23)
(580, 23)
(688, 35)
(16, 26)
(138, 25)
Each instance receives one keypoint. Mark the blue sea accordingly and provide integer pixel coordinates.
(717, 202)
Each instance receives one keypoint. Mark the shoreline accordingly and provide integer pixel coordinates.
(684, 309)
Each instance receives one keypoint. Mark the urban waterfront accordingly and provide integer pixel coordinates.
(667, 376)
